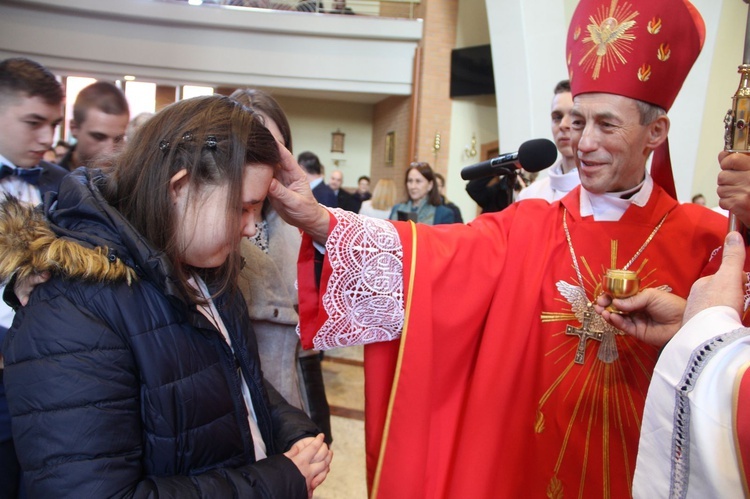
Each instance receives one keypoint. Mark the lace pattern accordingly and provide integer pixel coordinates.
(365, 296)
(260, 239)
(681, 433)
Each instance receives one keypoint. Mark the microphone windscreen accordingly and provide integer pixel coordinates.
(537, 154)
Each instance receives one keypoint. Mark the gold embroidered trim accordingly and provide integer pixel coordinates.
(401, 347)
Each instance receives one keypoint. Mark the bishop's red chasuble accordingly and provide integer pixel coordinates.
(474, 390)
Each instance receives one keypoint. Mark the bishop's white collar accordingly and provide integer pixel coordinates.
(610, 206)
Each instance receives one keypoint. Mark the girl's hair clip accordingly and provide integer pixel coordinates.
(211, 141)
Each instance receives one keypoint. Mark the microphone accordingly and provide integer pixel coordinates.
(533, 156)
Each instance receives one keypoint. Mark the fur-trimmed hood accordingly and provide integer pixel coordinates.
(76, 234)
(29, 246)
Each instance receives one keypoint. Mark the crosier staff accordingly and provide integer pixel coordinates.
(737, 120)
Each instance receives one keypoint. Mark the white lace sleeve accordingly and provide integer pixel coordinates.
(364, 300)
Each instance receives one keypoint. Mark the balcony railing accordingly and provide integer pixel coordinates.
(402, 9)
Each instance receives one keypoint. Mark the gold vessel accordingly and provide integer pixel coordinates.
(620, 284)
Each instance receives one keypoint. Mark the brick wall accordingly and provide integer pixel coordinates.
(434, 107)
(432, 111)
(391, 115)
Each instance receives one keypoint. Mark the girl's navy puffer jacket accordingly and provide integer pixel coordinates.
(124, 389)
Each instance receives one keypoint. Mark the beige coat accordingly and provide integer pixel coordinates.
(268, 284)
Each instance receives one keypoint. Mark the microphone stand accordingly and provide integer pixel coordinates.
(737, 120)
(509, 176)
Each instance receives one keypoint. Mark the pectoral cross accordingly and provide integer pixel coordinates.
(584, 333)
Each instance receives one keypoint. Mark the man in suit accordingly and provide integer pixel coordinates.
(30, 110)
(100, 118)
(322, 192)
(344, 200)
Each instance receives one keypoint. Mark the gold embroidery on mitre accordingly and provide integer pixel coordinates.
(654, 25)
(664, 52)
(644, 72)
(610, 36)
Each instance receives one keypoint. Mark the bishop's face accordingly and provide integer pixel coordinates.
(610, 144)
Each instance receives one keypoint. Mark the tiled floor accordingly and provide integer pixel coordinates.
(344, 379)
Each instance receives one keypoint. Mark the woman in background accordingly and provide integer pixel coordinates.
(382, 201)
(268, 283)
(424, 204)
